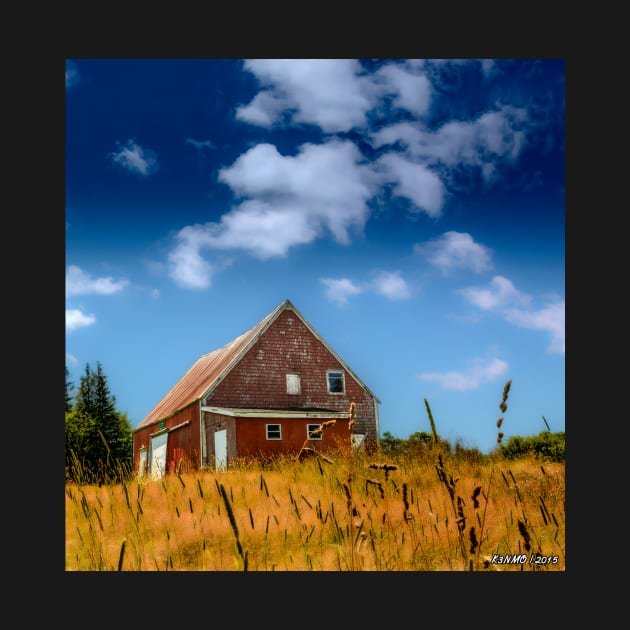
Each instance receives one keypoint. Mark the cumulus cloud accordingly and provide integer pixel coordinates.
(389, 284)
(415, 182)
(501, 293)
(78, 282)
(77, 319)
(549, 318)
(186, 266)
(289, 201)
(411, 90)
(329, 93)
(515, 308)
(135, 159)
(455, 250)
(481, 372)
(339, 289)
(495, 137)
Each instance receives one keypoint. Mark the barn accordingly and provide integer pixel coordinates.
(264, 393)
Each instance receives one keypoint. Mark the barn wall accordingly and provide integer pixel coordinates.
(183, 443)
(252, 441)
(259, 379)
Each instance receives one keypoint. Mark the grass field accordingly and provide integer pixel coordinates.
(344, 512)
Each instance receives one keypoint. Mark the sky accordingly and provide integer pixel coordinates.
(413, 211)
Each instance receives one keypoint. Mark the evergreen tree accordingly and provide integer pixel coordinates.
(99, 437)
(85, 396)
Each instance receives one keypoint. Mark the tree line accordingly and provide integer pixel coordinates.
(99, 438)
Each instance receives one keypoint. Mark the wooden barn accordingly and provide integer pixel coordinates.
(262, 394)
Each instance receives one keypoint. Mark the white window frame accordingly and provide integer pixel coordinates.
(293, 383)
(343, 382)
(268, 430)
(313, 427)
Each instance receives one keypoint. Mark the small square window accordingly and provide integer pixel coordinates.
(293, 383)
(311, 428)
(274, 431)
(336, 383)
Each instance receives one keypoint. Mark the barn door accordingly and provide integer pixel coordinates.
(220, 449)
(158, 455)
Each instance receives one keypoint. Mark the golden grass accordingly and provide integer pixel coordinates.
(340, 511)
(355, 514)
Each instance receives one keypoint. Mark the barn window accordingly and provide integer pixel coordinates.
(274, 431)
(336, 383)
(293, 383)
(309, 431)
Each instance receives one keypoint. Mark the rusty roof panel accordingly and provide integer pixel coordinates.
(207, 370)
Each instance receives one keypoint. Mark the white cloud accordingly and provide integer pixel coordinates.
(481, 144)
(76, 319)
(455, 250)
(264, 110)
(334, 94)
(71, 359)
(291, 200)
(412, 91)
(550, 319)
(391, 285)
(513, 305)
(78, 282)
(415, 182)
(339, 289)
(501, 293)
(133, 158)
(330, 93)
(481, 372)
(187, 268)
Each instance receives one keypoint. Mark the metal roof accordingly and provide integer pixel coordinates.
(210, 369)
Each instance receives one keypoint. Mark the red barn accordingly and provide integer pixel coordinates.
(261, 394)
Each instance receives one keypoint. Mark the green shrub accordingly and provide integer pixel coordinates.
(546, 446)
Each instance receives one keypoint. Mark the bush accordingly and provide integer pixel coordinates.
(546, 446)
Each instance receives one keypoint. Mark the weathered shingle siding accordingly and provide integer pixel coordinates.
(259, 379)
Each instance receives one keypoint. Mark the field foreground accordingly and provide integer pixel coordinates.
(353, 513)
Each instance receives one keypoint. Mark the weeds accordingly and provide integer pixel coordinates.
(353, 513)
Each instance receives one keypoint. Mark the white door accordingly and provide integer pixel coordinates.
(220, 449)
(158, 455)
(142, 464)
(357, 439)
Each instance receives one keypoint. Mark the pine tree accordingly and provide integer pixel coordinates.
(100, 434)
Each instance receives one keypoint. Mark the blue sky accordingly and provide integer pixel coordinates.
(412, 210)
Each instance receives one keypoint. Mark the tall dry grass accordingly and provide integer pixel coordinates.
(339, 511)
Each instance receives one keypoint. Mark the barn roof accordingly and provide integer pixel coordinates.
(210, 369)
